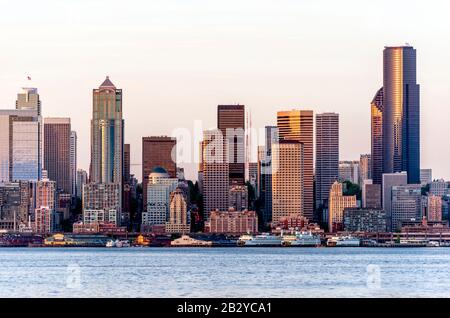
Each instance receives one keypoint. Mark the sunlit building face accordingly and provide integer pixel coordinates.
(401, 113)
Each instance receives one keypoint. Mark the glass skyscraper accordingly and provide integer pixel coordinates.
(107, 129)
(401, 113)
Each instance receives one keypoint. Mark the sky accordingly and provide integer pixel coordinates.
(176, 60)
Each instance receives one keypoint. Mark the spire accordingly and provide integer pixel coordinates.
(107, 83)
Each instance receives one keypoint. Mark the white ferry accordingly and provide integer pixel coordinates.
(303, 239)
(343, 241)
(263, 240)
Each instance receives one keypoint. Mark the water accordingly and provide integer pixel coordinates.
(225, 272)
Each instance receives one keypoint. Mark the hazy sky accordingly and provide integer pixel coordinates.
(177, 59)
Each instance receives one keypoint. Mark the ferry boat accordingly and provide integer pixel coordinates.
(187, 241)
(303, 239)
(343, 241)
(263, 240)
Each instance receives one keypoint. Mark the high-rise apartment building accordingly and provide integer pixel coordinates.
(401, 113)
(231, 122)
(157, 152)
(327, 155)
(298, 125)
(57, 152)
(287, 179)
(102, 197)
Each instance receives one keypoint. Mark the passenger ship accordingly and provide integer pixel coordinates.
(263, 240)
(303, 239)
(343, 241)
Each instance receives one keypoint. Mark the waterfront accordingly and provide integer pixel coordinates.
(218, 272)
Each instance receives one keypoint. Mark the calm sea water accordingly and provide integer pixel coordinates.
(225, 272)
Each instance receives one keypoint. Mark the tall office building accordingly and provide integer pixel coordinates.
(126, 163)
(376, 132)
(287, 179)
(73, 162)
(364, 169)
(327, 155)
(107, 130)
(390, 180)
(406, 205)
(265, 172)
(29, 100)
(401, 113)
(82, 179)
(57, 151)
(231, 122)
(349, 171)
(338, 202)
(298, 125)
(46, 194)
(159, 187)
(179, 220)
(157, 152)
(216, 174)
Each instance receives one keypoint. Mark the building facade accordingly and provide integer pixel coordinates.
(287, 179)
(406, 205)
(337, 204)
(401, 113)
(376, 136)
(232, 222)
(179, 219)
(238, 197)
(231, 122)
(365, 220)
(298, 125)
(157, 151)
(57, 152)
(390, 180)
(73, 162)
(434, 208)
(327, 155)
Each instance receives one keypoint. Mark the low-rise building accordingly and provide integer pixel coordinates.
(232, 222)
(365, 220)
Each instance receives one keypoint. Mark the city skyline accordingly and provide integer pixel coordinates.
(208, 79)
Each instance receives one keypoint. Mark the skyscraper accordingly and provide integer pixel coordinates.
(179, 220)
(73, 162)
(401, 113)
(82, 179)
(157, 152)
(126, 163)
(57, 151)
(107, 129)
(376, 123)
(216, 174)
(298, 125)
(265, 171)
(364, 168)
(287, 179)
(231, 122)
(29, 100)
(327, 155)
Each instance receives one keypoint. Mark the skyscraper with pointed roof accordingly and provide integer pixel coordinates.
(107, 130)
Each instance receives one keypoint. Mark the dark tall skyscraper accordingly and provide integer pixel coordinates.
(327, 155)
(376, 123)
(157, 152)
(57, 152)
(401, 113)
(126, 163)
(231, 122)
